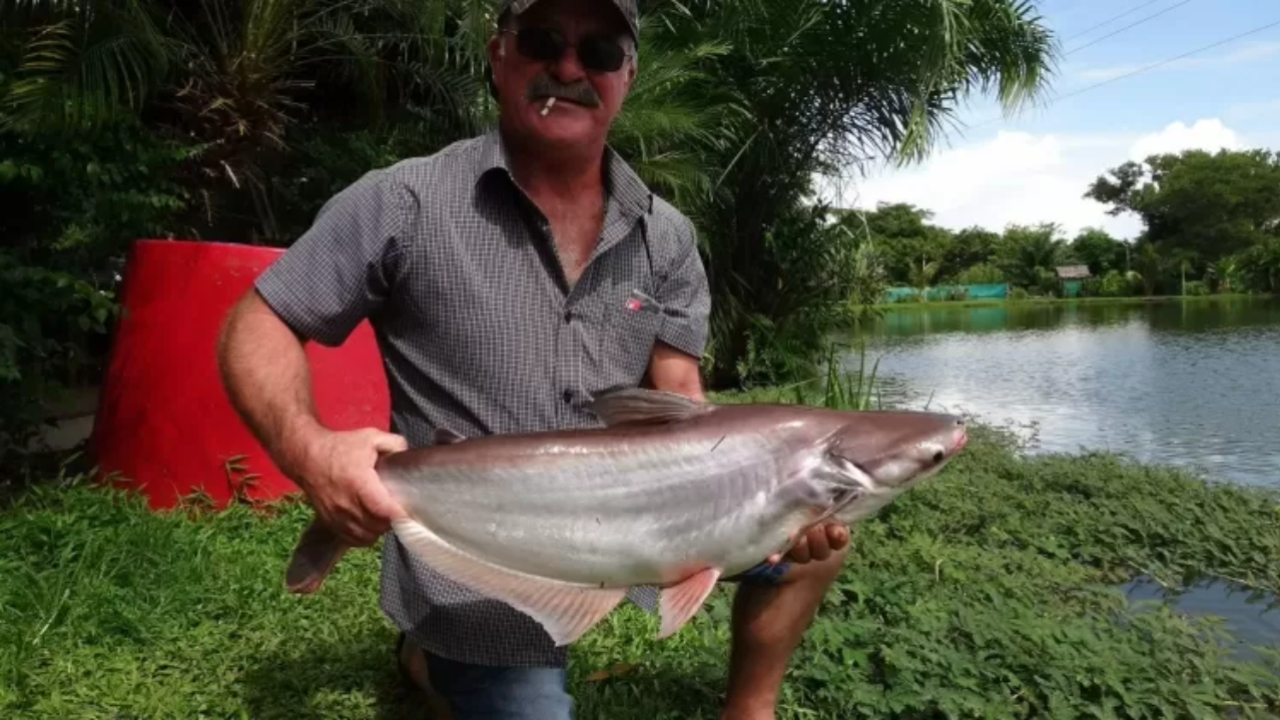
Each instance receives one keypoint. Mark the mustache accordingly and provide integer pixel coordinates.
(544, 86)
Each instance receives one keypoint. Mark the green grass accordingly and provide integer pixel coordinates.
(984, 594)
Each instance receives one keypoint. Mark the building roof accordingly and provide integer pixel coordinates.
(1073, 272)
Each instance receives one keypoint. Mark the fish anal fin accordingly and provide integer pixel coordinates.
(318, 551)
(566, 611)
(445, 436)
(682, 601)
(641, 406)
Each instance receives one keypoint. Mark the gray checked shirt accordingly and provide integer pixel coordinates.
(456, 271)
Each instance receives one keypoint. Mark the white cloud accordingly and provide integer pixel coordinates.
(1211, 135)
(1019, 177)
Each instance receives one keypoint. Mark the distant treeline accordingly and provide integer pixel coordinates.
(1211, 220)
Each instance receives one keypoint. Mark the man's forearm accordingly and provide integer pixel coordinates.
(265, 372)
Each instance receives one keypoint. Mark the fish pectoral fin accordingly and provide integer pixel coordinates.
(445, 436)
(682, 601)
(640, 406)
(566, 611)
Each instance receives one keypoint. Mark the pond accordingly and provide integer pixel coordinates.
(1192, 383)
(1189, 383)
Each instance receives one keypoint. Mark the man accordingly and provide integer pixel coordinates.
(509, 279)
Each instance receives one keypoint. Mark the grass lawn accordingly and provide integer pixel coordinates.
(985, 594)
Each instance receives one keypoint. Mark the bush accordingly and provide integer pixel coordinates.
(980, 274)
(73, 204)
(1119, 284)
(48, 321)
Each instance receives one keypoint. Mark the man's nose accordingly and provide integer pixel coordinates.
(568, 68)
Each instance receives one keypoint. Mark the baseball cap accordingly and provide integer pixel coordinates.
(628, 8)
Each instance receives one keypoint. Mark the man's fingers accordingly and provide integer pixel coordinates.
(800, 551)
(819, 548)
(386, 443)
(379, 507)
(837, 537)
(353, 533)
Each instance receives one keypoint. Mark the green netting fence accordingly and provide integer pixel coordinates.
(985, 291)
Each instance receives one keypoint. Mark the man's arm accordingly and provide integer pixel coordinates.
(267, 377)
(333, 277)
(674, 371)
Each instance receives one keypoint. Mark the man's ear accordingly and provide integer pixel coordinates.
(496, 51)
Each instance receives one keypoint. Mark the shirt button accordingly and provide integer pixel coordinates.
(568, 316)
(568, 396)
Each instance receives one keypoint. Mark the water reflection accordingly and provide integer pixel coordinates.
(1189, 383)
(1245, 617)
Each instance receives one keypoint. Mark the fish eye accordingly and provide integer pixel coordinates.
(937, 456)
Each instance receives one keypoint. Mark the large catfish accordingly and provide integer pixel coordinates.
(669, 492)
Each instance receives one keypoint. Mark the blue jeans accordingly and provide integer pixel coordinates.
(478, 692)
(473, 692)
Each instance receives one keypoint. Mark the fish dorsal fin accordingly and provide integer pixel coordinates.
(640, 406)
(445, 436)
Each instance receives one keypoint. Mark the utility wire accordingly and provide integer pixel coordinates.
(1153, 66)
(1147, 68)
(1144, 20)
(1112, 19)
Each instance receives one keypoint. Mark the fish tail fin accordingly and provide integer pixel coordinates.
(317, 552)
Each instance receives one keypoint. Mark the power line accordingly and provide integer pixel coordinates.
(1113, 19)
(1144, 20)
(1147, 68)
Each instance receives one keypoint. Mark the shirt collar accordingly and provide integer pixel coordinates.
(623, 185)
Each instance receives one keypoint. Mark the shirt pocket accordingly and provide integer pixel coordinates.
(624, 334)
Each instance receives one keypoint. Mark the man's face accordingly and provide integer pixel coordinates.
(587, 97)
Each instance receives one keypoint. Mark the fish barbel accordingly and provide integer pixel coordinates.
(670, 492)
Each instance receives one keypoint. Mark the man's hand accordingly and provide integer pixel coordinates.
(336, 469)
(817, 544)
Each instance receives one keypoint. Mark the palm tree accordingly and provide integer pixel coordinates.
(235, 77)
(739, 105)
(922, 277)
(828, 87)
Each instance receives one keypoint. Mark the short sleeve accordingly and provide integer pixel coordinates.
(685, 296)
(341, 271)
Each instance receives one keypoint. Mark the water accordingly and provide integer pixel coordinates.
(1190, 383)
(1193, 384)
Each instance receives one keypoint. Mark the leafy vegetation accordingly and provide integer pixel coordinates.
(989, 592)
(235, 120)
(1212, 225)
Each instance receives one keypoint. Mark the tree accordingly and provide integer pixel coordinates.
(1101, 252)
(1028, 255)
(827, 86)
(739, 105)
(1205, 205)
(969, 248)
(906, 241)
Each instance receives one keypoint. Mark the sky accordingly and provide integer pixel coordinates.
(991, 170)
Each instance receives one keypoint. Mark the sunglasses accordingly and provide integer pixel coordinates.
(596, 53)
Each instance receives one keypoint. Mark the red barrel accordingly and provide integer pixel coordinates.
(164, 425)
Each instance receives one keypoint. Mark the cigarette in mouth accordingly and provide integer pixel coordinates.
(546, 109)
